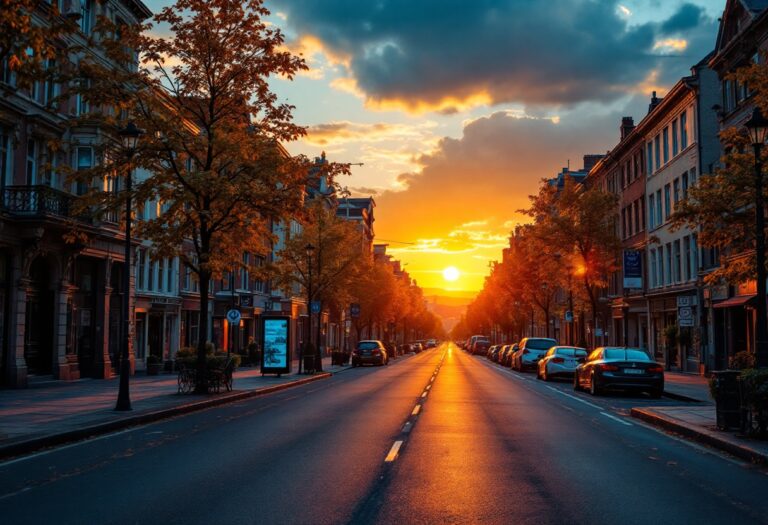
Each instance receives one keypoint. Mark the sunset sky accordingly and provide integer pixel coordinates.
(458, 108)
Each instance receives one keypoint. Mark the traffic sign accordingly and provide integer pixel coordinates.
(233, 316)
(315, 307)
(568, 316)
(354, 310)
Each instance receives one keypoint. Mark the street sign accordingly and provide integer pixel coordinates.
(568, 316)
(354, 310)
(315, 307)
(685, 316)
(233, 316)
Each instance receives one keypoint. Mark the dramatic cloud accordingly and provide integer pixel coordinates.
(342, 132)
(447, 55)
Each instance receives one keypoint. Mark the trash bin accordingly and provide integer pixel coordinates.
(727, 399)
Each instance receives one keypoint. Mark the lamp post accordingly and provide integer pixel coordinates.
(758, 132)
(129, 136)
(310, 249)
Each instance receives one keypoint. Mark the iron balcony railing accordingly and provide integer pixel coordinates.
(36, 200)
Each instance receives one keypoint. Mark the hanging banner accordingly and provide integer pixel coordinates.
(276, 344)
(633, 269)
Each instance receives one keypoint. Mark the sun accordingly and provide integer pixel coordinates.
(451, 273)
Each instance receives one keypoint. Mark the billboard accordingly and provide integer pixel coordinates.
(276, 339)
(633, 269)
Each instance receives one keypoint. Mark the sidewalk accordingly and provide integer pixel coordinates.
(698, 423)
(686, 387)
(56, 412)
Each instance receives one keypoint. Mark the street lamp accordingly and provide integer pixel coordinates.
(758, 132)
(310, 249)
(130, 136)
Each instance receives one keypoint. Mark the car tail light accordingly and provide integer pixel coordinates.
(376, 352)
(525, 351)
(558, 360)
(608, 368)
(655, 369)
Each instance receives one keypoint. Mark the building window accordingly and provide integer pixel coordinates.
(653, 268)
(244, 275)
(693, 261)
(668, 278)
(692, 176)
(5, 158)
(86, 8)
(638, 205)
(685, 185)
(141, 269)
(675, 148)
(659, 219)
(684, 130)
(666, 144)
(676, 191)
(649, 157)
(31, 173)
(84, 162)
(660, 255)
(642, 214)
(687, 258)
(667, 203)
(258, 284)
(651, 212)
(657, 152)
(676, 247)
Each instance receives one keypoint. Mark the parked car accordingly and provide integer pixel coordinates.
(472, 340)
(560, 361)
(417, 347)
(405, 348)
(620, 368)
(530, 350)
(492, 350)
(480, 347)
(431, 343)
(506, 355)
(494, 355)
(370, 352)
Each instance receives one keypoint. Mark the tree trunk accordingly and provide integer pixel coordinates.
(201, 385)
(318, 333)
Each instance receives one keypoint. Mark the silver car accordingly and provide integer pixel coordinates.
(560, 361)
(530, 350)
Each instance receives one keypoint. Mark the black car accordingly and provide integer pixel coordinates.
(369, 353)
(621, 369)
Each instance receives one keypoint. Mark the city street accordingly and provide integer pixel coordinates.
(486, 445)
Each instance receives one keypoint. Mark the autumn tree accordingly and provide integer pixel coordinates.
(374, 291)
(579, 222)
(26, 46)
(332, 264)
(214, 130)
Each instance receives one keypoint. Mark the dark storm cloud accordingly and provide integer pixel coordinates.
(533, 52)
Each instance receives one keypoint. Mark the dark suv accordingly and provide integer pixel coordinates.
(370, 353)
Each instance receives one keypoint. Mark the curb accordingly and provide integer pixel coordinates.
(701, 435)
(51, 440)
(681, 397)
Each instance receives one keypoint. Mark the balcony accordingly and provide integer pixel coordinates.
(36, 201)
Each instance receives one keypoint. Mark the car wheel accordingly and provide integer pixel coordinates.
(538, 374)
(545, 376)
(576, 385)
(593, 388)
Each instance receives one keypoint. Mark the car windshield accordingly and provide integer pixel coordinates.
(626, 354)
(367, 345)
(571, 352)
(540, 344)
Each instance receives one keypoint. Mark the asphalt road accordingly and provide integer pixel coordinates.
(485, 445)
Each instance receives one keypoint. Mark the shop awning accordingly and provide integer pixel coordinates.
(739, 300)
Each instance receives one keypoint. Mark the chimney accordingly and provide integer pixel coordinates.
(655, 101)
(627, 125)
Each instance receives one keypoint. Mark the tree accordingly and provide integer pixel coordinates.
(213, 135)
(580, 222)
(27, 47)
(333, 264)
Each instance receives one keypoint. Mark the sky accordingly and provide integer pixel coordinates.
(457, 109)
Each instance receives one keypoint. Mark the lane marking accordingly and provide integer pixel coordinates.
(407, 427)
(393, 452)
(429, 386)
(424, 394)
(609, 416)
(578, 399)
(416, 410)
